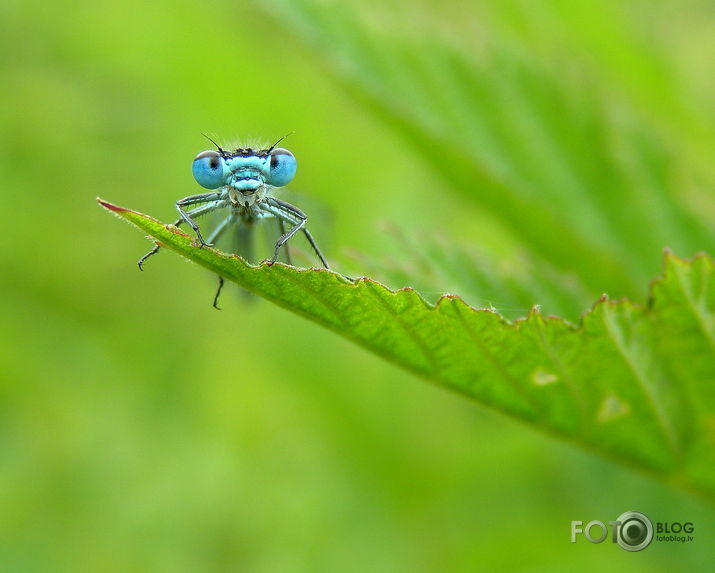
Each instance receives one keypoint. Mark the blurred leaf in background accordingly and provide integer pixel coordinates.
(141, 430)
(571, 165)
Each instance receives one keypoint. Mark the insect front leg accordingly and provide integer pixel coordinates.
(298, 224)
(214, 199)
(294, 216)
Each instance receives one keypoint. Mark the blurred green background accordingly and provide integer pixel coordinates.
(140, 430)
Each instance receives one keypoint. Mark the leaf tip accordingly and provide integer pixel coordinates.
(111, 206)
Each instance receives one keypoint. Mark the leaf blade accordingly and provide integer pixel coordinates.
(618, 373)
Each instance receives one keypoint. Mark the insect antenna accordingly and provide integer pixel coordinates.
(272, 147)
(221, 151)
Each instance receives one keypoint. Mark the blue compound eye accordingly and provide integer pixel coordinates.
(283, 166)
(208, 169)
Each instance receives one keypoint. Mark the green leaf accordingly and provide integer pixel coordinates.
(635, 383)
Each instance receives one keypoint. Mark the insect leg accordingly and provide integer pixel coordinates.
(291, 214)
(215, 234)
(214, 198)
(282, 230)
(202, 210)
(313, 244)
(218, 292)
(156, 248)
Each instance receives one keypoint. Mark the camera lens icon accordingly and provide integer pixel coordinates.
(635, 532)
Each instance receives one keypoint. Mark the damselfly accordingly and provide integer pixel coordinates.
(242, 183)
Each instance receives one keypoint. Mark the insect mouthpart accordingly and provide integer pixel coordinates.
(247, 186)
